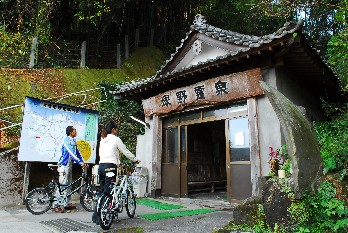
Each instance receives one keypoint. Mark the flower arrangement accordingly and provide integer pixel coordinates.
(278, 159)
(275, 159)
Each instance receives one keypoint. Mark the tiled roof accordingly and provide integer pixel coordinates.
(200, 25)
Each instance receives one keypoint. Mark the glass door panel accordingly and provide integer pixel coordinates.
(239, 150)
(170, 163)
(239, 140)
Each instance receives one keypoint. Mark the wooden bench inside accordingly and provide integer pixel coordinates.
(195, 186)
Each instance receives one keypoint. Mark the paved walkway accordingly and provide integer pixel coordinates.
(18, 219)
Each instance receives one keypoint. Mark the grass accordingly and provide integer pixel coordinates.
(158, 205)
(15, 84)
(182, 213)
(130, 230)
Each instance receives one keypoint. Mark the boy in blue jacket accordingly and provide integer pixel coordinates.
(70, 154)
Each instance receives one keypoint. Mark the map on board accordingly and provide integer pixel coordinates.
(44, 126)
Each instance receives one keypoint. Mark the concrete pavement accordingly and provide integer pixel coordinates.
(18, 219)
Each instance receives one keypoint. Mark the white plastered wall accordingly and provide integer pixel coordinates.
(148, 150)
(268, 124)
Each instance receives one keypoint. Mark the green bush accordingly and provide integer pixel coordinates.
(327, 213)
(333, 140)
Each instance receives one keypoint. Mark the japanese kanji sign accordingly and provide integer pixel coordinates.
(217, 90)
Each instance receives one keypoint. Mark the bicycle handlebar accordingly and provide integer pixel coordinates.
(53, 165)
(124, 164)
(50, 165)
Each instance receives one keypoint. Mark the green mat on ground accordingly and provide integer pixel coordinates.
(180, 213)
(158, 205)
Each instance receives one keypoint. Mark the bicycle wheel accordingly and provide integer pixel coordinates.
(105, 212)
(131, 204)
(89, 198)
(38, 201)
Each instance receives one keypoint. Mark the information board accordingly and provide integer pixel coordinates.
(44, 129)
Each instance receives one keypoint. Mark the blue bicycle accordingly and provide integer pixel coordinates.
(40, 200)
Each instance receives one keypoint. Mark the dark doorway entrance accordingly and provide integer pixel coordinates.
(207, 153)
(206, 158)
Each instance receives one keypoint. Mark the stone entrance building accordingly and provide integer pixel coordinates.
(211, 122)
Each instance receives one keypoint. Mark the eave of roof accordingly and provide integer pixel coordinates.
(254, 47)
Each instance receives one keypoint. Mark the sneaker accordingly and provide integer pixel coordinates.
(58, 210)
(70, 207)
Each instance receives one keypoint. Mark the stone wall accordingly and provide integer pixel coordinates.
(11, 179)
(301, 142)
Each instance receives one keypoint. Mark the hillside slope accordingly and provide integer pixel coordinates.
(58, 84)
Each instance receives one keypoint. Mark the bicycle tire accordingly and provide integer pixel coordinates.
(38, 201)
(131, 204)
(89, 198)
(105, 213)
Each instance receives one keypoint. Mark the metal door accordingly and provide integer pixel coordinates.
(239, 185)
(170, 162)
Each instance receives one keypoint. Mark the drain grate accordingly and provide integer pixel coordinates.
(65, 224)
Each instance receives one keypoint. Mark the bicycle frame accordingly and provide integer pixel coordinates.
(118, 192)
(111, 204)
(117, 189)
(62, 187)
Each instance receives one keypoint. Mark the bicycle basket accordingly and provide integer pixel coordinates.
(126, 169)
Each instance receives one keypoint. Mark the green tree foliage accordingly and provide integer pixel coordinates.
(21, 22)
(120, 111)
(97, 20)
(338, 46)
(319, 17)
(13, 49)
(240, 16)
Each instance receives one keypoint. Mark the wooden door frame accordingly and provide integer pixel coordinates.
(228, 159)
(183, 164)
(229, 115)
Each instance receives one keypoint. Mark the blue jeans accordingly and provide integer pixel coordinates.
(105, 182)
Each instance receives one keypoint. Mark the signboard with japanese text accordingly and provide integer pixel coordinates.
(212, 91)
(44, 129)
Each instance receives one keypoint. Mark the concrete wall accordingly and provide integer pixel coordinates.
(268, 123)
(269, 126)
(11, 179)
(148, 150)
(293, 87)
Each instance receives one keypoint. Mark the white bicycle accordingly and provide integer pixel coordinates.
(121, 195)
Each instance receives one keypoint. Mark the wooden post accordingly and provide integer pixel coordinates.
(118, 56)
(33, 52)
(137, 38)
(152, 33)
(83, 55)
(126, 46)
(26, 180)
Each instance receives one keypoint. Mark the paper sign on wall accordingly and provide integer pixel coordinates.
(239, 139)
